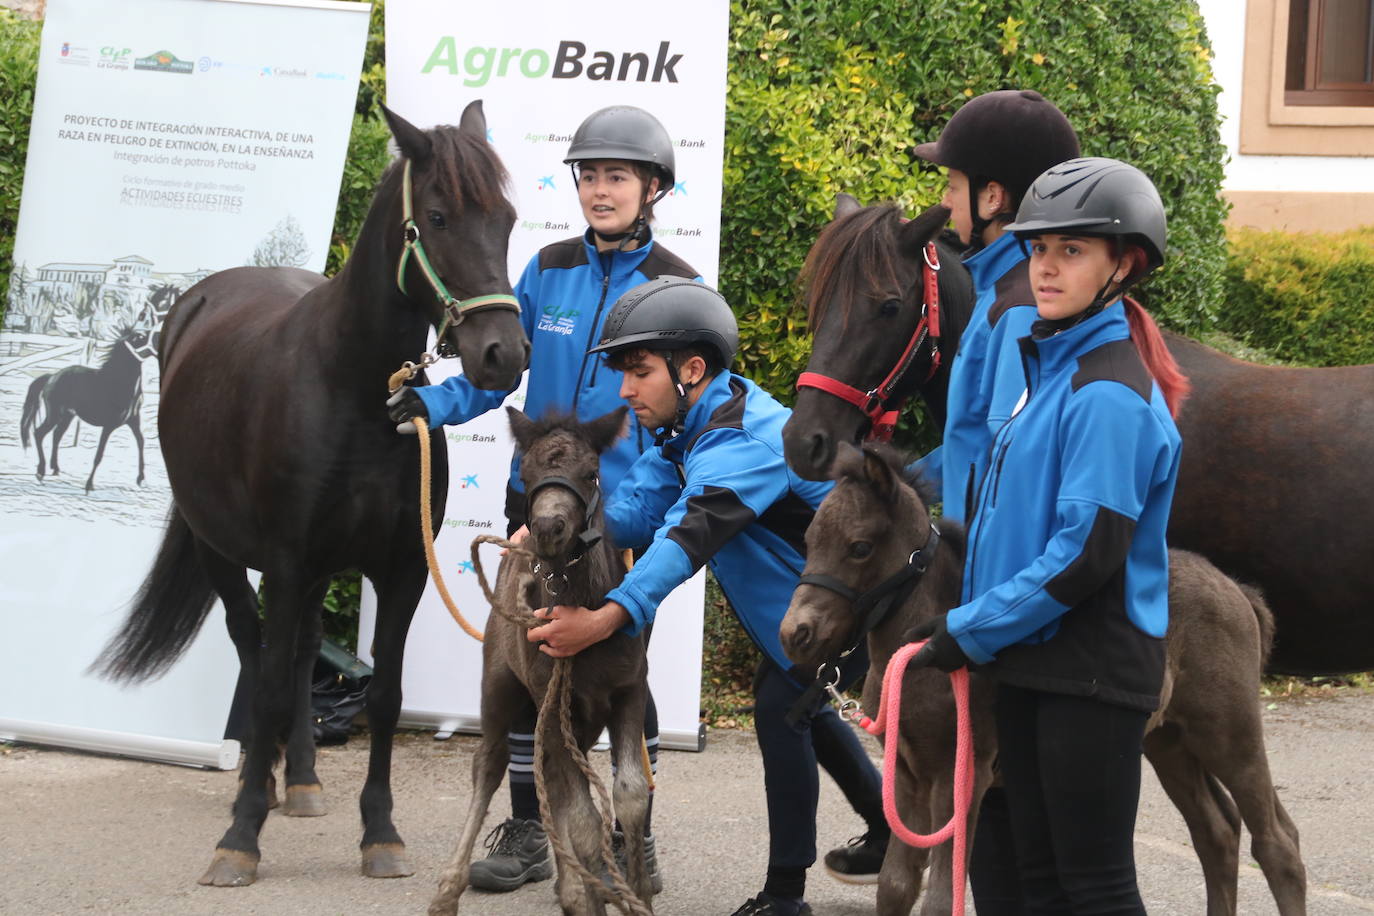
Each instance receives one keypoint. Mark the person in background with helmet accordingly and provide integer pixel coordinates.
(718, 492)
(993, 147)
(622, 162)
(1065, 593)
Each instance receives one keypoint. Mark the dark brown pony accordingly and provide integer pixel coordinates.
(1258, 442)
(281, 459)
(1206, 741)
(566, 562)
(862, 286)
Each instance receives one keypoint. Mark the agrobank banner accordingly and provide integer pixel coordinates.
(539, 68)
(170, 139)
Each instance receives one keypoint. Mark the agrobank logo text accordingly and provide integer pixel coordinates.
(479, 64)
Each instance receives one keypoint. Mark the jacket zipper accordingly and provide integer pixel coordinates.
(591, 332)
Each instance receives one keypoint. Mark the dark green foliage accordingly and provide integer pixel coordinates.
(1304, 297)
(827, 96)
(18, 72)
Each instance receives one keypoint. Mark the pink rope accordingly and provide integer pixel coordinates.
(888, 720)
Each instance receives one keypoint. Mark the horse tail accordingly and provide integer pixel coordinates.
(28, 419)
(166, 613)
(1264, 616)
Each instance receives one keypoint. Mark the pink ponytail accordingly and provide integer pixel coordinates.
(1159, 362)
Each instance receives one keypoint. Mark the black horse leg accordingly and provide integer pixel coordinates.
(383, 851)
(136, 428)
(230, 582)
(303, 792)
(58, 425)
(105, 432)
(235, 862)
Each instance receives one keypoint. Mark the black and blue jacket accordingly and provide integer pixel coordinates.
(985, 379)
(1066, 579)
(721, 493)
(565, 294)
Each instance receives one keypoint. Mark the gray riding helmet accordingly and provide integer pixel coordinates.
(1095, 196)
(629, 133)
(671, 313)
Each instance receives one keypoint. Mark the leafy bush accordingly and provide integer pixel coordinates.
(827, 97)
(1303, 297)
(18, 73)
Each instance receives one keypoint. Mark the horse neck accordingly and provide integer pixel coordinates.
(936, 593)
(363, 304)
(121, 363)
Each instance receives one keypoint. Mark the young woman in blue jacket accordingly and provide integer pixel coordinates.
(1066, 581)
(718, 492)
(622, 161)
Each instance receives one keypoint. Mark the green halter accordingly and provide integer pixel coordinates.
(455, 310)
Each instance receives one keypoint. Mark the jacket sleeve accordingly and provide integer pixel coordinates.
(1114, 451)
(455, 399)
(732, 479)
(641, 500)
(931, 468)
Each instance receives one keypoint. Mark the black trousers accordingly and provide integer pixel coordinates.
(790, 758)
(1071, 766)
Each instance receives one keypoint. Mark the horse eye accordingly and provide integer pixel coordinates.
(860, 549)
(890, 308)
(436, 219)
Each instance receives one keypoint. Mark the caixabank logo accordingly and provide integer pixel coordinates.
(163, 62)
(478, 64)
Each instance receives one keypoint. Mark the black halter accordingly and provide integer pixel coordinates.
(588, 538)
(876, 605)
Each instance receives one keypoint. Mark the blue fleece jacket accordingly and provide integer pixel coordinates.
(737, 506)
(1071, 517)
(565, 294)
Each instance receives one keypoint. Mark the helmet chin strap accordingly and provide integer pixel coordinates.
(683, 404)
(1110, 292)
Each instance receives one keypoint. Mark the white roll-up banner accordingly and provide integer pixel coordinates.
(170, 139)
(539, 68)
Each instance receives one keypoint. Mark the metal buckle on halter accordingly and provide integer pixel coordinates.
(845, 705)
(925, 254)
(411, 232)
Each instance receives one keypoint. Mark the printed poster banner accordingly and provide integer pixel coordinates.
(170, 139)
(539, 68)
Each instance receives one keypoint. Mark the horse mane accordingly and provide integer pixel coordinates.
(555, 421)
(870, 234)
(466, 168)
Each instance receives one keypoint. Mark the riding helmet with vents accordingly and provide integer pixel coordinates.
(629, 133)
(671, 313)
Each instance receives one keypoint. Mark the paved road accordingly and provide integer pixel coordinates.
(87, 834)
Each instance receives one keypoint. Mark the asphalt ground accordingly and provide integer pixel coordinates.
(82, 833)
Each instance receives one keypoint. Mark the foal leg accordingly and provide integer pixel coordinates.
(502, 694)
(398, 591)
(235, 862)
(900, 878)
(631, 788)
(578, 826)
(1213, 822)
(304, 795)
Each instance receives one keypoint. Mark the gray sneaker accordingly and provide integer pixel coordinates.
(519, 854)
(650, 861)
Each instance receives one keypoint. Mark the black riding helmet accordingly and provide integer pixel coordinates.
(667, 314)
(1009, 136)
(629, 133)
(1096, 196)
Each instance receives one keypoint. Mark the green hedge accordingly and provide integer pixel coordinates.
(826, 97)
(1305, 297)
(18, 71)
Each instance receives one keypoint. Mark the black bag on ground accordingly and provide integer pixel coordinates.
(337, 693)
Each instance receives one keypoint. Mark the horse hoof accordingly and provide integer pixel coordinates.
(386, 860)
(304, 801)
(231, 868)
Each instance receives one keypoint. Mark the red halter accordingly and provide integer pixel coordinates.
(873, 404)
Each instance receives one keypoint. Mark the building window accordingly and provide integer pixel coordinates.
(1330, 57)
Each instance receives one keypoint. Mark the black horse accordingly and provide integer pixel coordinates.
(109, 397)
(281, 458)
(1259, 443)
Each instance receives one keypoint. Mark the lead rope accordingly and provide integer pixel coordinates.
(888, 720)
(427, 533)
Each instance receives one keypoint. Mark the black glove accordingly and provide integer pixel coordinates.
(941, 651)
(405, 405)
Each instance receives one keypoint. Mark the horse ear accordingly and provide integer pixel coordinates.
(521, 427)
(916, 232)
(879, 472)
(413, 143)
(474, 121)
(604, 430)
(849, 462)
(845, 204)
